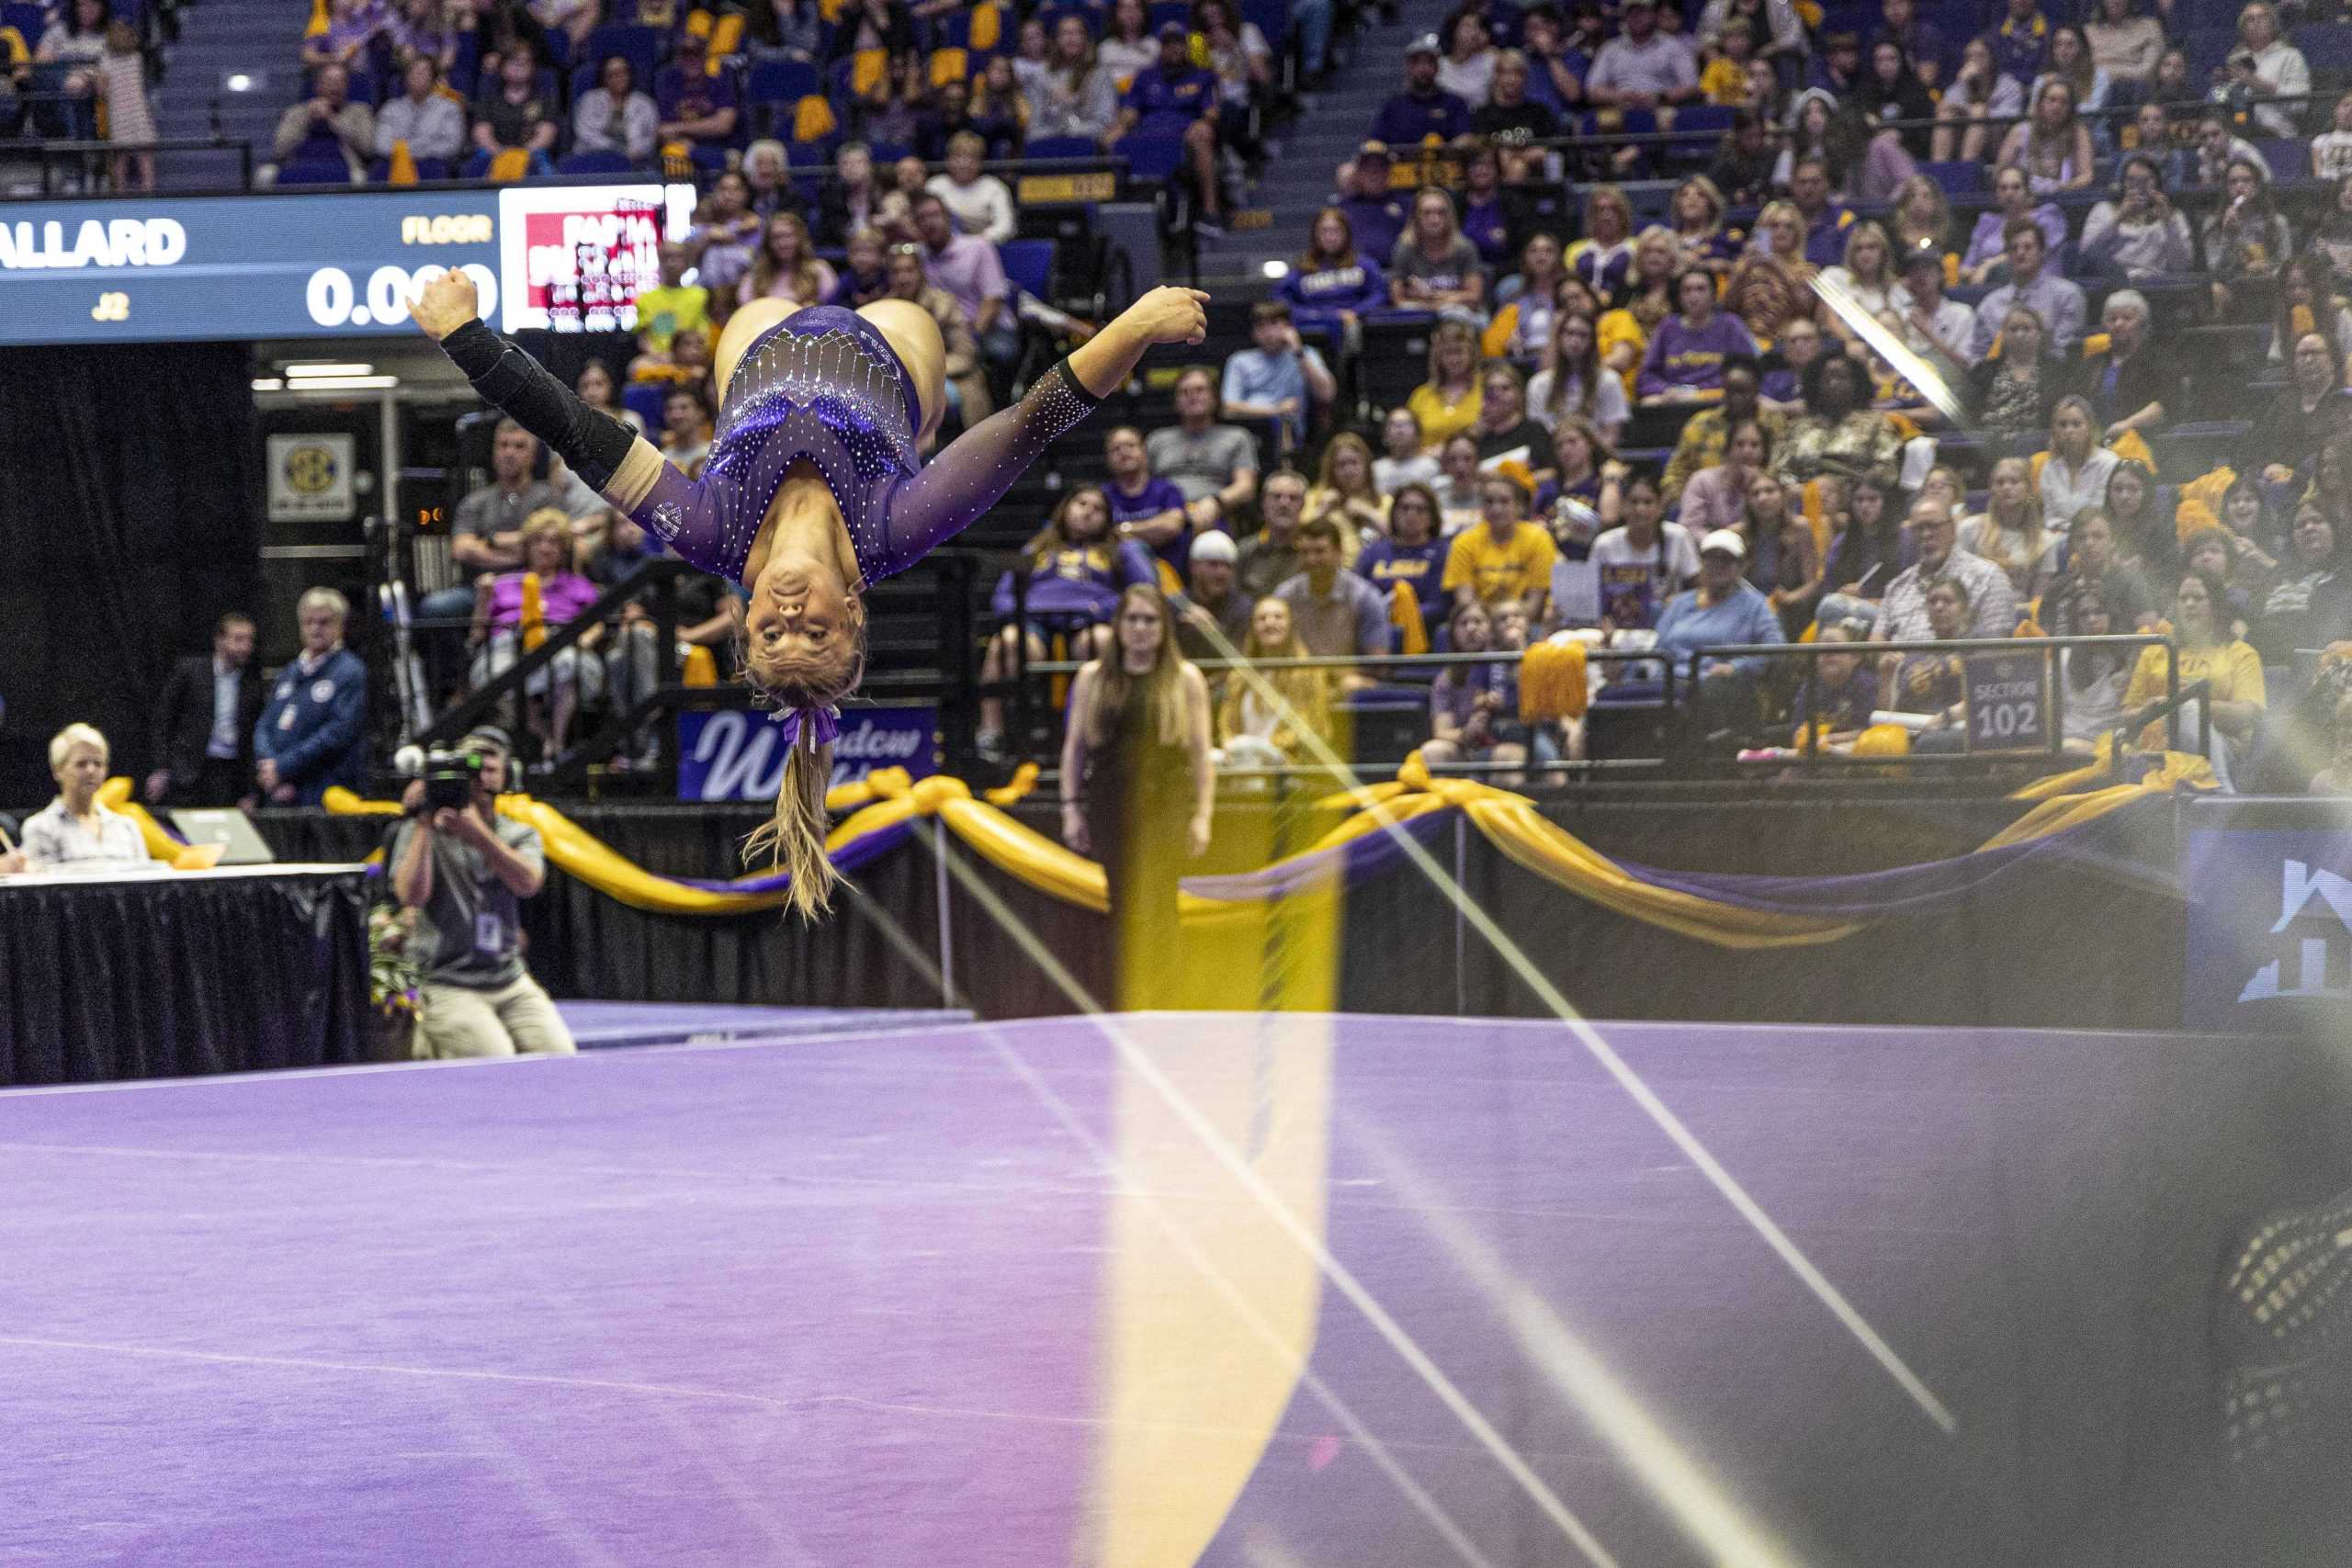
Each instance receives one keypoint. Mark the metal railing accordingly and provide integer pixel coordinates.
(938, 663)
(92, 160)
(1678, 675)
(2047, 651)
(1670, 139)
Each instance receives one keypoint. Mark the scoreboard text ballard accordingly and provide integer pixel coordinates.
(167, 269)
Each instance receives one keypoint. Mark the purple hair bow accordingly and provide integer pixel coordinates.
(821, 726)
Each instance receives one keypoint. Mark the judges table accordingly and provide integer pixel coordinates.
(161, 974)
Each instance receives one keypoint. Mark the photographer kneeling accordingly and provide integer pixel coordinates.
(467, 870)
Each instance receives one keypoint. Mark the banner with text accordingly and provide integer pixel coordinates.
(739, 755)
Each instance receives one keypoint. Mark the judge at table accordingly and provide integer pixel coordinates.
(75, 832)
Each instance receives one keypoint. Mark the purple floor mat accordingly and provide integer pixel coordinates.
(854, 1300)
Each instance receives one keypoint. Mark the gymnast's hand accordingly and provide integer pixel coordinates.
(1169, 314)
(445, 304)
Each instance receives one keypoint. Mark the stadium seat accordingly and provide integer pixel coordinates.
(1060, 147)
(1957, 178)
(314, 172)
(1052, 16)
(1273, 19)
(837, 83)
(2289, 156)
(1029, 265)
(426, 169)
(1151, 155)
(2326, 46)
(644, 400)
(593, 163)
(642, 47)
(2207, 48)
(1700, 119)
(780, 81)
(465, 71)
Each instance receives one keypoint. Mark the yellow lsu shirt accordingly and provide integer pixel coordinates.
(1518, 568)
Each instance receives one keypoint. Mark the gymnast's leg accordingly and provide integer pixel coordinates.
(914, 337)
(742, 327)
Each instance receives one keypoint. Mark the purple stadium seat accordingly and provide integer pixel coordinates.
(642, 47)
(644, 399)
(2289, 157)
(314, 172)
(1052, 16)
(1957, 178)
(1151, 155)
(426, 169)
(2326, 46)
(780, 82)
(1273, 17)
(1029, 265)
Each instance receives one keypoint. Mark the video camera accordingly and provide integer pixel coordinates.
(450, 779)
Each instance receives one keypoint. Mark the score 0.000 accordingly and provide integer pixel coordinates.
(333, 302)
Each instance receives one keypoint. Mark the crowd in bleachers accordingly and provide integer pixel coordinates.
(1798, 289)
(1754, 324)
(501, 89)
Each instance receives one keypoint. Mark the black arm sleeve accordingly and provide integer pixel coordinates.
(591, 440)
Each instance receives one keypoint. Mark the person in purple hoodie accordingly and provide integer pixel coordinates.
(1685, 362)
(1333, 285)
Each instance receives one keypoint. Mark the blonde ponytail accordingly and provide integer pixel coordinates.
(806, 689)
(794, 838)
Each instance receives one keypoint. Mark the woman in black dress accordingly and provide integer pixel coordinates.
(1137, 784)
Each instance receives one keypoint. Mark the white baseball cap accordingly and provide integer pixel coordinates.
(1215, 545)
(1727, 540)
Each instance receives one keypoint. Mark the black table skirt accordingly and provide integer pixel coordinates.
(172, 976)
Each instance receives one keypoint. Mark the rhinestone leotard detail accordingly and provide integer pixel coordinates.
(825, 386)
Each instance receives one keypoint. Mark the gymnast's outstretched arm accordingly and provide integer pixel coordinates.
(614, 459)
(962, 482)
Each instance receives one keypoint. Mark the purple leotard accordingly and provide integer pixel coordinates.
(824, 386)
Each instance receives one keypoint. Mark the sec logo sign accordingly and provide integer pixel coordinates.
(309, 478)
(312, 470)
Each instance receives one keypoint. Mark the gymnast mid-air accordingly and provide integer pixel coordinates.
(813, 491)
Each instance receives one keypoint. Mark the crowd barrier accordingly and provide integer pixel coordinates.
(1725, 910)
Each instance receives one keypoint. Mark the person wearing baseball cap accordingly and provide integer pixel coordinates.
(1376, 213)
(1724, 611)
(1213, 612)
(1936, 328)
(1423, 111)
(1176, 97)
(465, 871)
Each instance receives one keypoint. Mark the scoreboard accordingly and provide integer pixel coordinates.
(563, 257)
